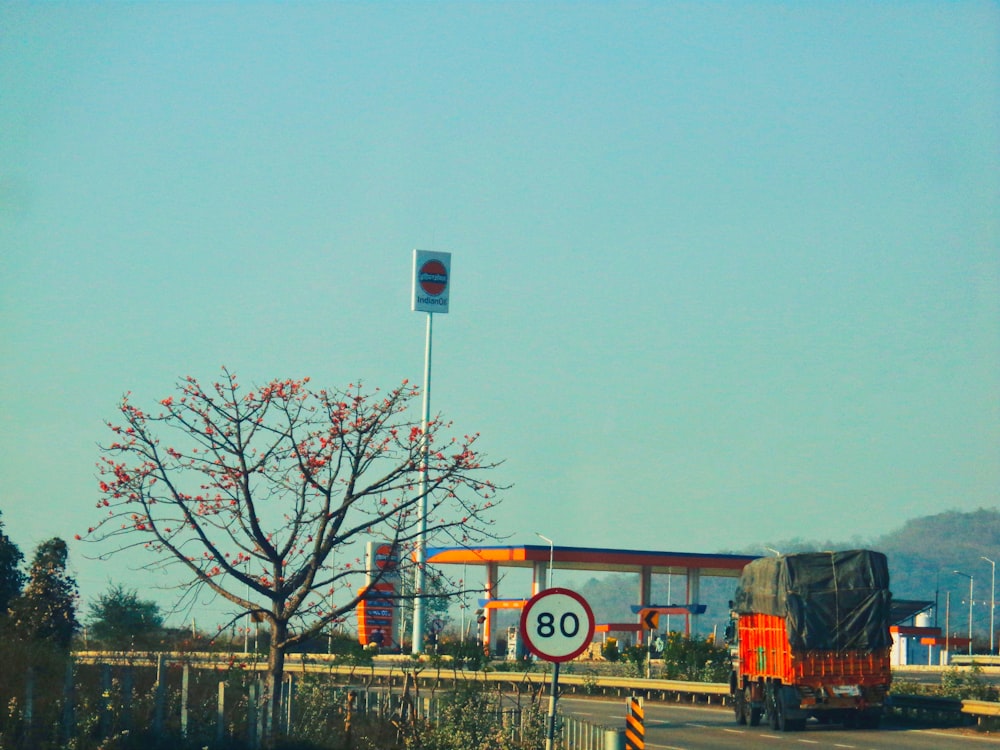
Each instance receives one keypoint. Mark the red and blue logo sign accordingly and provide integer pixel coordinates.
(431, 277)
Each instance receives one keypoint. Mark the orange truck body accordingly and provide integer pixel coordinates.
(809, 638)
(824, 679)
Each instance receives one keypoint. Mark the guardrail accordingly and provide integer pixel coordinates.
(975, 660)
(985, 713)
(394, 672)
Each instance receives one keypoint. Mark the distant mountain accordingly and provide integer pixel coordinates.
(923, 555)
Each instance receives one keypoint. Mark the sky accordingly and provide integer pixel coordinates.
(723, 273)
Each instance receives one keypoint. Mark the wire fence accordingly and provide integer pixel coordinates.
(174, 704)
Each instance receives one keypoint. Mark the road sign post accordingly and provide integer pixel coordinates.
(431, 281)
(557, 625)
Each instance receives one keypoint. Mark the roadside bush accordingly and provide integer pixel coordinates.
(967, 684)
(465, 654)
(471, 718)
(610, 651)
(695, 658)
(635, 659)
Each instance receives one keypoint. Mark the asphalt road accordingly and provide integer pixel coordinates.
(673, 727)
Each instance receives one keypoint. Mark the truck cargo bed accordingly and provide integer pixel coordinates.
(764, 652)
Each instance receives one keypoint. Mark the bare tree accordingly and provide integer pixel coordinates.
(267, 496)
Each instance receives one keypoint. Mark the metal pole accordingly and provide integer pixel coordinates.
(419, 578)
(993, 599)
(947, 624)
(551, 556)
(970, 614)
(465, 604)
(971, 580)
(550, 733)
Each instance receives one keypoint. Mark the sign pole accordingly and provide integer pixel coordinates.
(431, 293)
(419, 616)
(550, 733)
(556, 625)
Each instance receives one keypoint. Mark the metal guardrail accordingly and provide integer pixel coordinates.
(393, 670)
(580, 734)
(651, 689)
(925, 703)
(988, 709)
(977, 660)
(984, 712)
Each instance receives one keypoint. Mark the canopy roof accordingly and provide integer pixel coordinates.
(592, 558)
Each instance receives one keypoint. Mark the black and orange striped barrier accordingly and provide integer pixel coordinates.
(635, 726)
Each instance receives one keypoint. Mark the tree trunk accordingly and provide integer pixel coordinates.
(275, 673)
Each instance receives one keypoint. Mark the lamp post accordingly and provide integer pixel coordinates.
(971, 581)
(552, 550)
(993, 597)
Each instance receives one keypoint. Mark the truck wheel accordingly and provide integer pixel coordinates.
(781, 704)
(773, 712)
(740, 708)
(753, 713)
(789, 725)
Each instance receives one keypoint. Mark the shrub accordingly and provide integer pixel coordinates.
(967, 684)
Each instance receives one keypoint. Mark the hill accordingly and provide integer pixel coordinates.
(923, 557)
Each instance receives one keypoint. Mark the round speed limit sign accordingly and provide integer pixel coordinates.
(557, 624)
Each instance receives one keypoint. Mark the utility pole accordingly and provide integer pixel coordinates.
(971, 581)
(993, 599)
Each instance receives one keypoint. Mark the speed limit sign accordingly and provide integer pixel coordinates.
(557, 624)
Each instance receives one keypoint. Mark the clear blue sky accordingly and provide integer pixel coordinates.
(723, 274)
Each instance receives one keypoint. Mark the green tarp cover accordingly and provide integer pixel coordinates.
(833, 601)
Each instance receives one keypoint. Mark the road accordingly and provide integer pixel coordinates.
(673, 727)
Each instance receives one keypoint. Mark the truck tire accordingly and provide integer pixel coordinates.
(753, 713)
(781, 715)
(788, 725)
(773, 711)
(786, 702)
(740, 708)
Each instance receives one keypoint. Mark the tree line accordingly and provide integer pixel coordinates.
(38, 606)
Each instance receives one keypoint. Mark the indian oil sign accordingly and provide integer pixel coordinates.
(431, 277)
(377, 608)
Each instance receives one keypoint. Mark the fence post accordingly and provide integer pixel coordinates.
(252, 701)
(160, 699)
(288, 691)
(104, 720)
(614, 739)
(127, 690)
(69, 717)
(220, 720)
(29, 703)
(185, 679)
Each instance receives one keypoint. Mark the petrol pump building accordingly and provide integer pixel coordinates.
(693, 567)
(541, 559)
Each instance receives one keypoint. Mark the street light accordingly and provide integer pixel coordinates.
(993, 598)
(971, 580)
(552, 550)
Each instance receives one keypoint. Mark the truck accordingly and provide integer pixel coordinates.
(809, 637)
